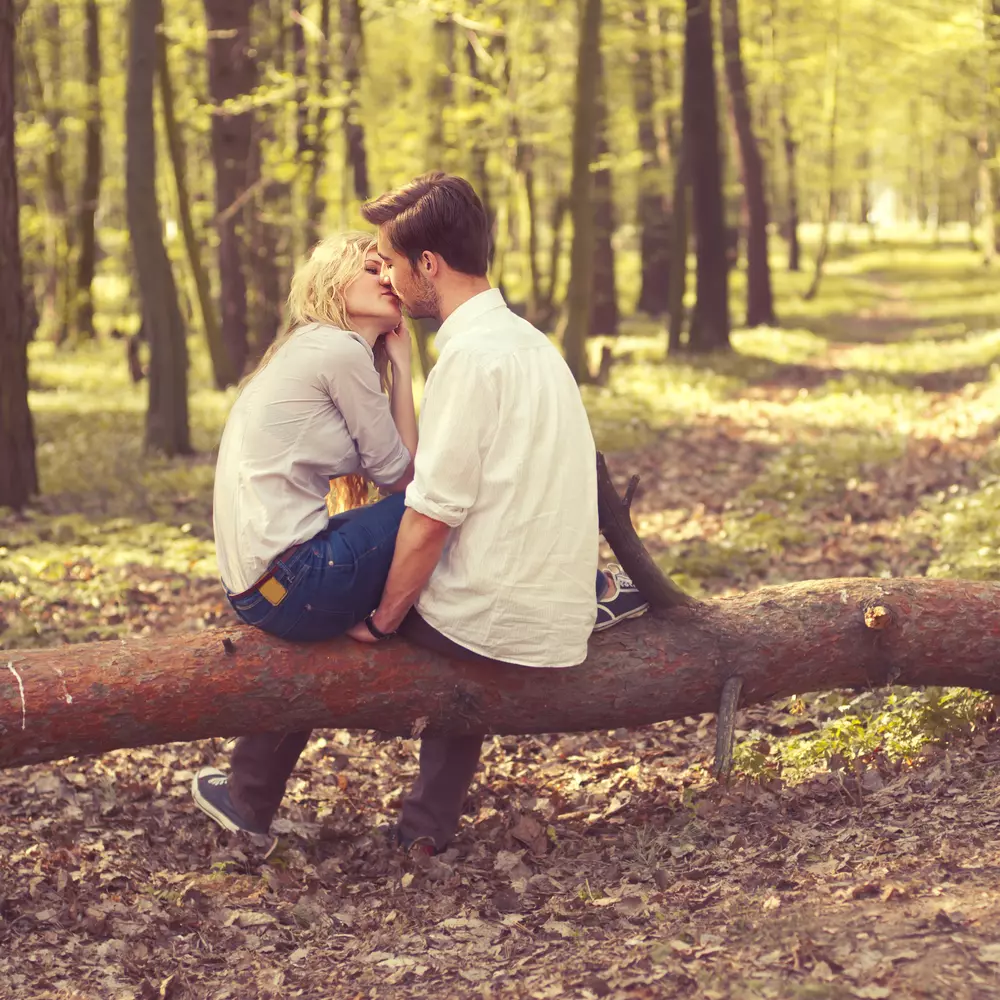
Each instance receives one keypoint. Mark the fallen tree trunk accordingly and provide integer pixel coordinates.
(672, 663)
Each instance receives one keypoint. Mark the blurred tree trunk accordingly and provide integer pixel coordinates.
(270, 233)
(439, 152)
(18, 476)
(790, 148)
(59, 233)
(315, 203)
(604, 303)
(352, 43)
(760, 301)
(167, 413)
(792, 217)
(985, 146)
(231, 76)
(679, 249)
(575, 326)
(441, 95)
(300, 67)
(709, 328)
(831, 162)
(222, 368)
(90, 191)
(477, 147)
(651, 206)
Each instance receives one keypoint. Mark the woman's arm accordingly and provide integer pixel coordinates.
(399, 349)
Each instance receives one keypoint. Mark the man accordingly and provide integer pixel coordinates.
(496, 555)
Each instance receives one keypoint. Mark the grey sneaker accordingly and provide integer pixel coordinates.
(210, 788)
(621, 601)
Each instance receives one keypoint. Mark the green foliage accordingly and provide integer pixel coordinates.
(894, 726)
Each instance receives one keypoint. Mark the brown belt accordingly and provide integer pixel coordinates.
(269, 575)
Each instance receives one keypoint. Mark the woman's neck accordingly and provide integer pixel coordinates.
(369, 329)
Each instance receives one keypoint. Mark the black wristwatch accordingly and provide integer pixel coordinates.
(375, 630)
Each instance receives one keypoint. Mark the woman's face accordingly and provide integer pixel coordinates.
(367, 298)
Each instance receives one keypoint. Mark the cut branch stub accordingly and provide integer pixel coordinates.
(725, 733)
(616, 524)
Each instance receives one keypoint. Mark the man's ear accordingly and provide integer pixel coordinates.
(429, 264)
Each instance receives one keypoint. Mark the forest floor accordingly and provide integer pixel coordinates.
(855, 853)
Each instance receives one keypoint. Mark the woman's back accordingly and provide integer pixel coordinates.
(315, 411)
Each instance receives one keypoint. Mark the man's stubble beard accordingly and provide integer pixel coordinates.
(426, 304)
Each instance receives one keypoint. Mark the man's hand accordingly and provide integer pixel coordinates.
(360, 633)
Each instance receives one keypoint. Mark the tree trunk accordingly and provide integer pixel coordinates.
(353, 52)
(478, 152)
(760, 302)
(792, 220)
(231, 75)
(709, 329)
(651, 206)
(316, 159)
(18, 476)
(604, 303)
(679, 250)
(831, 166)
(91, 190)
(167, 413)
(575, 327)
(223, 371)
(780, 641)
(59, 232)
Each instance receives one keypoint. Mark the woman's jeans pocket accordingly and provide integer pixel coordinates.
(332, 581)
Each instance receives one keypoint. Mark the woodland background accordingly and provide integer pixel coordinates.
(765, 238)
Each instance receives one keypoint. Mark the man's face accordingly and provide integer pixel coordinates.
(413, 288)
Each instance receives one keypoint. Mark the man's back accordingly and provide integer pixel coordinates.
(506, 457)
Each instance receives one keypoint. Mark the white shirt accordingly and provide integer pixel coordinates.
(314, 412)
(507, 459)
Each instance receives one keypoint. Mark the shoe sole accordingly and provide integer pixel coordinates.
(637, 613)
(209, 810)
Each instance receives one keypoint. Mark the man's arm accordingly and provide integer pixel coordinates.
(419, 545)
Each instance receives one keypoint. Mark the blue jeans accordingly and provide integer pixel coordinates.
(332, 581)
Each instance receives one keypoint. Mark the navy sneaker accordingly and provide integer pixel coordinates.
(621, 600)
(210, 788)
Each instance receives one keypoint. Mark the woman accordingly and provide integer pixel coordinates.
(314, 409)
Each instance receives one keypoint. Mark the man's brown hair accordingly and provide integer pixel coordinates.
(438, 212)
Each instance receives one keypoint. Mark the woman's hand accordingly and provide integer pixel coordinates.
(360, 633)
(399, 346)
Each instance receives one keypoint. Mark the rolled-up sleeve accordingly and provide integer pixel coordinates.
(457, 421)
(355, 390)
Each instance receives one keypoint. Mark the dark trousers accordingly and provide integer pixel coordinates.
(262, 764)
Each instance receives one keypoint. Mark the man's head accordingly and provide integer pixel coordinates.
(433, 237)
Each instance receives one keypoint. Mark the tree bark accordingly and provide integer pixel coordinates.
(709, 329)
(352, 43)
(222, 370)
(679, 250)
(579, 298)
(651, 205)
(831, 165)
(231, 75)
(779, 641)
(167, 412)
(18, 476)
(90, 192)
(760, 301)
(604, 303)
(315, 202)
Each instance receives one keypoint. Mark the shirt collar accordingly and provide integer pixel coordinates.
(467, 313)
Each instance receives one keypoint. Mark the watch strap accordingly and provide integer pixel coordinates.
(375, 630)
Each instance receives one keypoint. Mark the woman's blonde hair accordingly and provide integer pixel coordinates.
(319, 295)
